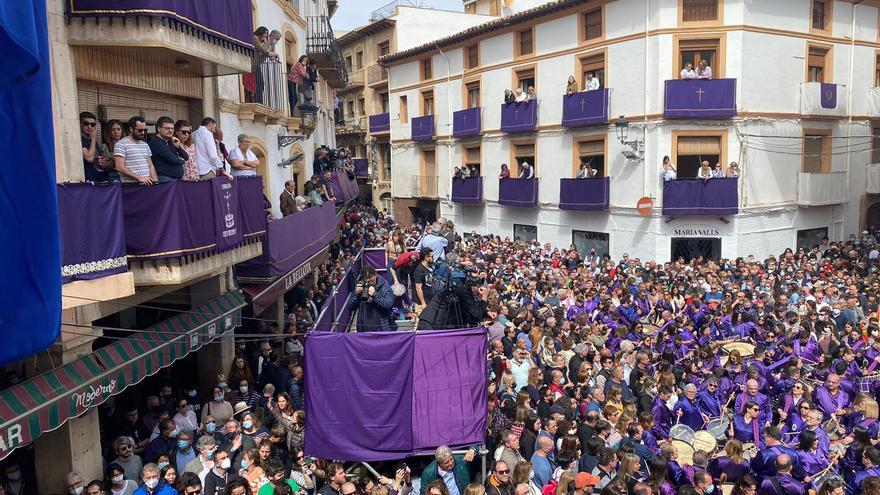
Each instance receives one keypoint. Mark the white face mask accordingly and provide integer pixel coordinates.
(225, 463)
(151, 483)
(117, 479)
(76, 491)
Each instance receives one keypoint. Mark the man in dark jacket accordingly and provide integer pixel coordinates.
(374, 300)
(168, 153)
(453, 470)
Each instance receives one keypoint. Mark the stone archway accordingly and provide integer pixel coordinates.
(262, 153)
(298, 167)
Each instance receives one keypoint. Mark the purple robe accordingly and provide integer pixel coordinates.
(789, 485)
(725, 465)
(662, 419)
(766, 414)
(813, 462)
(751, 432)
(691, 414)
(829, 404)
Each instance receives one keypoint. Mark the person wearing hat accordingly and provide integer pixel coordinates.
(236, 443)
(586, 482)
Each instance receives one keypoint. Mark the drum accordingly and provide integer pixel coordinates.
(705, 441)
(685, 452)
(726, 488)
(867, 382)
(745, 349)
(831, 428)
(682, 432)
(718, 427)
(723, 360)
(749, 450)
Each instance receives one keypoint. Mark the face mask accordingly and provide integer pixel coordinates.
(162, 465)
(182, 444)
(209, 454)
(211, 427)
(193, 393)
(243, 389)
(117, 479)
(151, 484)
(231, 436)
(173, 433)
(225, 463)
(710, 489)
(14, 476)
(244, 463)
(222, 385)
(76, 491)
(218, 398)
(247, 424)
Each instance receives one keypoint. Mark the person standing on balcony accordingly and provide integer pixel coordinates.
(262, 53)
(288, 199)
(703, 70)
(169, 153)
(312, 70)
(95, 164)
(207, 160)
(244, 162)
(184, 132)
(668, 170)
(295, 77)
(132, 155)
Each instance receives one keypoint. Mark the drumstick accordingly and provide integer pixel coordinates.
(825, 471)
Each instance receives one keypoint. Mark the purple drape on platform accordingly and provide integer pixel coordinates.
(423, 128)
(829, 95)
(375, 258)
(466, 122)
(522, 193)
(584, 194)
(92, 231)
(389, 395)
(361, 167)
(344, 187)
(291, 241)
(715, 197)
(253, 218)
(380, 123)
(585, 108)
(468, 191)
(228, 20)
(334, 316)
(519, 117)
(180, 218)
(714, 98)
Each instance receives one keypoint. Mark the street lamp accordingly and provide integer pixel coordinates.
(636, 150)
(622, 126)
(308, 117)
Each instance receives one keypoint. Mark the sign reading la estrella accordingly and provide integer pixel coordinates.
(94, 393)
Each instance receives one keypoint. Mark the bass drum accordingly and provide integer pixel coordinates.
(718, 427)
(705, 441)
(749, 450)
(682, 432)
(685, 452)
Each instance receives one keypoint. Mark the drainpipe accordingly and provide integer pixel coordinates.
(645, 128)
(849, 120)
(448, 115)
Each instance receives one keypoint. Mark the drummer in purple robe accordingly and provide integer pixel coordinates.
(812, 459)
(747, 427)
(752, 394)
(733, 466)
(763, 465)
(813, 422)
(687, 411)
(783, 483)
(830, 398)
(708, 400)
(662, 414)
(871, 460)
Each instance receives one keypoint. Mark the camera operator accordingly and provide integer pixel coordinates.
(374, 299)
(423, 279)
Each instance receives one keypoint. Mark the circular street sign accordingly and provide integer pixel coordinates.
(644, 206)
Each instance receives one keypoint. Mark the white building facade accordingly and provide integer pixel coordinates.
(805, 159)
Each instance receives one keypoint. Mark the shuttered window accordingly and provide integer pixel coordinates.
(111, 102)
(699, 145)
(699, 10)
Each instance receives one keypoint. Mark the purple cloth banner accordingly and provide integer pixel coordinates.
(344, 187)
(390, 395)
(375, 257)
(229, 234)
(291, 241)
(380, 123)
(522, 193)
(584, 194)
(704, 98)
(466, 122)
(335, 316)
(423, 128)
(519, 117)
(585, 108)
(250, 206)
(829, 95)
(226, 20)
(713, 197)
(92, 231)
(467, 191)
(361, 167)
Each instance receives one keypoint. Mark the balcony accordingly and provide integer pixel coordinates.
(585, 108)
(823, 99)
(377, 75)
(521, 193)
(700, 98)
(822, 189)
(265, 94)
(361, 168)
(345, 188)
(355, 78)
(584, 194)
(697, 197)
(873, 182)
(467, 191)
(204, 42)
(179, 231)
(519, 117)
(293, 247)
(94, 265)
(424, 186)
(422, 128)
(321, 47)
(380, 123)
(467, 122)
(352, 124)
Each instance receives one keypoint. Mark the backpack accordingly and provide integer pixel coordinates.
(550, 488)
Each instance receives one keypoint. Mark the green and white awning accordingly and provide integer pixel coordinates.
(47, 401)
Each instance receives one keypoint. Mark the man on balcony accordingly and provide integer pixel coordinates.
(244, 162)
(288, 199)
(97, 167)
(168, 153)
(207, 156)
(132, 155)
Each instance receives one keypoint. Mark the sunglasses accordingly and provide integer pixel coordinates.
(503, 471)
(90, 124)
(184, 132)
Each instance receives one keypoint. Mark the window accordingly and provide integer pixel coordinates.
(523, 152)
(875, 145)
(471, 8)
(382, 103)
(525, 42)
(525, 233)
(348, 62)
(699, 10)
(427, 71)
(592, 25)
(693, 51)
(385, 154)
(473, 94)
(818, 66)
(821, 15)
(404, 110)
(523, 78)
(810, 238)
(349, 109)
(592, 152)
(384, 48)
(427, 103)
(817, 151)
(592, 64)
(472, 54)
(494, 7)
(359, 58)
(877, 70)
(362, 106)
(427, 180)
(691, 150)
(472, 157)
(584, 241)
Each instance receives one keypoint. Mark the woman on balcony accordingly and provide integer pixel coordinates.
(586, 171)
(733, 170)
(572, 86)
(505, 172)
(183, 132)
(295, 78)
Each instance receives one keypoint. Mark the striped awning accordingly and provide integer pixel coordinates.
(47, 401)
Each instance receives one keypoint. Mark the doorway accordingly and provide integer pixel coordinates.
(689, 248)
(873, 216)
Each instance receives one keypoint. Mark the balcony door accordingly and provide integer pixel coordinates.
(692, 150)
(428, 174)
(692, 51)
(689, 248)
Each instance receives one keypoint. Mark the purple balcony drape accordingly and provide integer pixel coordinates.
(227, 20)
(422, 128)
(584, 194)
(399, 393)
(829, 95)
(519, 117)
(292, 240)
(92, 231)
(585, 108)
(703, 98)
(253, 218)
(467, 191)
(380, 123)
(521, 193)
(361, 167)
(713, 197)
(344, 188)
(466, 122)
